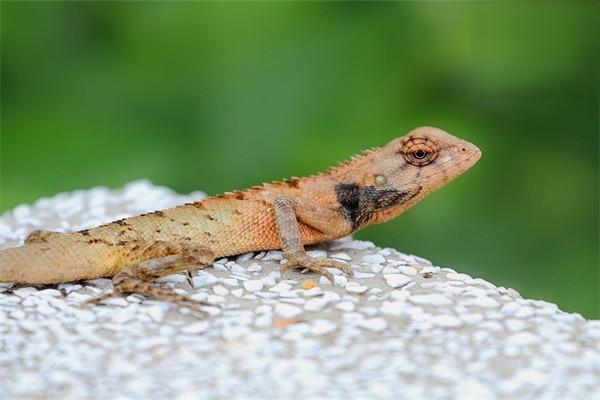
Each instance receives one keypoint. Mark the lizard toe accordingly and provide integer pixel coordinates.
(318, 266)
(342, 266)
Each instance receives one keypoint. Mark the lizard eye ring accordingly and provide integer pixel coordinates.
(419, 151)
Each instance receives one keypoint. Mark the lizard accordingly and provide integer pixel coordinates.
(371, 187)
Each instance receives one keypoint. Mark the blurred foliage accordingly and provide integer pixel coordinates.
(221, 96)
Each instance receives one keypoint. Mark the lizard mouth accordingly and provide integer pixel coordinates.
(458, 167)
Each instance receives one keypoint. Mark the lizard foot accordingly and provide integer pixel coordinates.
(127, 284)
(138, 277)
(318, 265)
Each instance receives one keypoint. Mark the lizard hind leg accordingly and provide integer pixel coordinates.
(138, 278)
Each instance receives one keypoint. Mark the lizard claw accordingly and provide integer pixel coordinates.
(317, 265)
(329, 263)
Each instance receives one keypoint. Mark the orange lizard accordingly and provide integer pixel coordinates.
(371, 187)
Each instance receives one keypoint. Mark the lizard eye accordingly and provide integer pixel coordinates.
(419, 151)
(419, 154)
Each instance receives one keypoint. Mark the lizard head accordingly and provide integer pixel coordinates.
(426, 157)
(418, 163)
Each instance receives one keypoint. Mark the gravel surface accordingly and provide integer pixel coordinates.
(399, 328)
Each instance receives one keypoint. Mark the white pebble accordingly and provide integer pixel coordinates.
(458, 277)
(390, 270)
(420, 260)
(203, 279)
(340, 280)
(481, 301)
(215, 299)
(116, 301)
(219, 267)
(17, 314)
(351, 245)
(400, 295)
(173, 278)
(373, 259)
(393, 308)
(523, 339)
(281, 287)
(254, 268)
(24, 292)
(471, 388)
(49, 293)
(447, 321)
(472, 318)
(315, 304)
(515, 325)
(273, 255)
(362, 275)
(324, 281)
(220, 290)
(200, 296)
(524, 312)
(376, 268)
(237, 269)
(312, 292)
(156, 312)
(46, 310)
(373, 324)
(510, 308)
(322, 326)
(195, 328)
(316, 253)
(245, 257)
(408, 270)
(396, 280)
(68, 288)
(341, 256)
(287, 311)
(356, 288)
(231, 282)
(433, 299)
(253, 285)
(346, 306)
(102, 283)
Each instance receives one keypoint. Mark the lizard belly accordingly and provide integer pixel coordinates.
(256, 233)
(235, 227)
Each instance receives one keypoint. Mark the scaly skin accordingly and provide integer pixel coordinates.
(372, 187)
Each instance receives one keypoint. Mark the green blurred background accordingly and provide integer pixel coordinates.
(218, 96)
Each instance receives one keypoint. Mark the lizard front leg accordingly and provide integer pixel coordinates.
(290, 210)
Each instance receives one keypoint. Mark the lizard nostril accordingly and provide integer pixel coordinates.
(463, 149)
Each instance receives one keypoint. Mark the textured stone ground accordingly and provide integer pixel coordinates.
(399, 328)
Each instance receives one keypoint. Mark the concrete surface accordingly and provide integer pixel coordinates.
(400, 328)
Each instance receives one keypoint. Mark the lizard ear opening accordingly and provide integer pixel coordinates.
(380, 180)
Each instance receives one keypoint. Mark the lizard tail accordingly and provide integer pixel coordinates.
(62, 259)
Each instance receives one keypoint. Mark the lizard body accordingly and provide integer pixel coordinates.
(372, 187)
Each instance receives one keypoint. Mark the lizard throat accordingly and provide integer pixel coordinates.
(360, 205)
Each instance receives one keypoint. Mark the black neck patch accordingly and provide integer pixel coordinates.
(359, 204)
